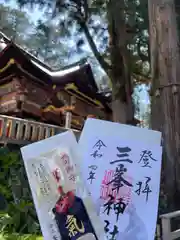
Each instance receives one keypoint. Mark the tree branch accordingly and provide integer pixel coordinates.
(106, 67)
(86, 10)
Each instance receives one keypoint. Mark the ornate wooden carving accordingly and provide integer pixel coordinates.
(77, 122)
(37, 94)
(53, 117)
(24, 95)
(64, 97)
(12, 86)
(12, 96)
(84, 109)
(10, 106)
(80, 108)
(32, 108)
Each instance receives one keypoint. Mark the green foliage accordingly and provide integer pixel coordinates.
(47, 44)
(43, 40)
(15, 24)
(19, 215)
(90, 24)
(4, 236)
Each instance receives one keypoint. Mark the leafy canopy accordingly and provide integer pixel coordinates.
(89, 19)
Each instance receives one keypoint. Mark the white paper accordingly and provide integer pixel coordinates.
(48, 171)
(102, 128)
(99, 148)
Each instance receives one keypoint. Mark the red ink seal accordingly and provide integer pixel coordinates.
(107, 189)
(65, 202)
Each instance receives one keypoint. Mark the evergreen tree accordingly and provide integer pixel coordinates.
(117, 33)
(15, 24)
(43, 40)
(47, 44)
(165, 61)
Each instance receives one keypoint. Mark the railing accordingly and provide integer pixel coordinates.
(20, 131)
(167, 234)
(158, 232)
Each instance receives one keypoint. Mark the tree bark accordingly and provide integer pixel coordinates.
(123, 108)
(165, 64)
(118, 71)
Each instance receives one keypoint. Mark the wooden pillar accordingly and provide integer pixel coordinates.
(68, 119)
(166, 228)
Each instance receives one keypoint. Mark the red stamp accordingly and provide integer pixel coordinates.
(65, 202)
(68, 167)
(56, 175)
(107, 189)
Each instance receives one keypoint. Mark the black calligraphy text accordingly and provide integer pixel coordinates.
(144, 189)
(118, 206)
(146, 158)
(118, 180)
(97, 147)
(92, 173)
(122, 155)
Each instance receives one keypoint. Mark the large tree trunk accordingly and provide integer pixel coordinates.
(118, 71)
(122, 104)
(165, 63)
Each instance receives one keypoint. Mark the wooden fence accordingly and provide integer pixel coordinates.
(21, 131)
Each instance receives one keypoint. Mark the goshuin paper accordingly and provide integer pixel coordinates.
(64, 208)
(121, 165)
